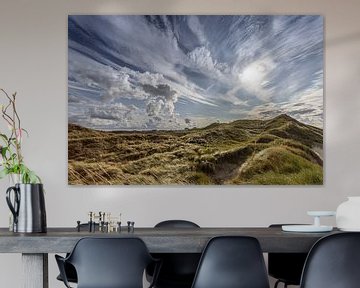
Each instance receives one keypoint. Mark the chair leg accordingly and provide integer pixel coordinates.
(278, 282)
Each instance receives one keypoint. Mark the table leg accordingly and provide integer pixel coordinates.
(35, 270)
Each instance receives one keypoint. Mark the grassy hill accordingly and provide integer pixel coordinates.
(277, 151)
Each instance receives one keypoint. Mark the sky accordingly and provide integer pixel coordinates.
(174, 72)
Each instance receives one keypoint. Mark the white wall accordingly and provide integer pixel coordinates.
(33, 62)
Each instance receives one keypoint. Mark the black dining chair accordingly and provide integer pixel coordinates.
(232, 262)
(178, 269)
(286, 267)
(333, 262)
(70, 271)
(108, 263)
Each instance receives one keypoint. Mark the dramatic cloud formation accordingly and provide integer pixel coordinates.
(173, 72)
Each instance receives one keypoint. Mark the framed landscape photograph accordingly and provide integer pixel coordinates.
(195, 100)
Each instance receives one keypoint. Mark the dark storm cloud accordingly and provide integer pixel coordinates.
(159, 90)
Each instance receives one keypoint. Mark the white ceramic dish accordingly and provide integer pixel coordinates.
(306, 228)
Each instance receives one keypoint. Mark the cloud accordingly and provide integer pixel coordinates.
(109, 112)
(307, 109)
(231, 66)
(201, 58)
(163, 100)
(124, 82)
(110, 83)
(111, 116)
(162, 90)
(197, 29)
(154, 107)
(254, 78)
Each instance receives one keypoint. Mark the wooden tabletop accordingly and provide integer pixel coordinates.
(158, 240)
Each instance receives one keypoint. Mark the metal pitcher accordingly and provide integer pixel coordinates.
(28, 207)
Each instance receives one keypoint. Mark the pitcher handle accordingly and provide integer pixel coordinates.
(13, 208)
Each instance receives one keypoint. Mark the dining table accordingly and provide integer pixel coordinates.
(35, 247)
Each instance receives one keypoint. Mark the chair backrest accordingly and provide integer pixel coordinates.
(333, 262)
(232, 262)
(110, 262)
(176, 224)
(178, 269)
(286, 266)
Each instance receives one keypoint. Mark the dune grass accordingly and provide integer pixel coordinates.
(277, 151)
(279, 166)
